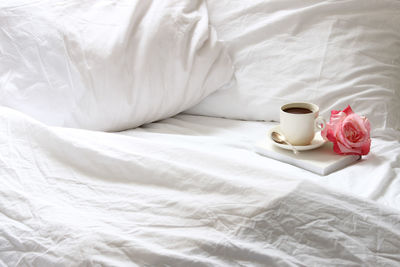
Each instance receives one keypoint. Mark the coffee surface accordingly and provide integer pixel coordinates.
(297, 110)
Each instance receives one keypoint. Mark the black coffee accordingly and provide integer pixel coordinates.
(297, 110)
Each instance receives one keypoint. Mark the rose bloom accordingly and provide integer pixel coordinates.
(349, 132)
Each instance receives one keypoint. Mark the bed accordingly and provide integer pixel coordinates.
(160, 170)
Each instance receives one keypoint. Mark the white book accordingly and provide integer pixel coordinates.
(322, 160)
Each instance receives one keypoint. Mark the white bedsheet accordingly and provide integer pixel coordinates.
(376, 176)
(186, 191)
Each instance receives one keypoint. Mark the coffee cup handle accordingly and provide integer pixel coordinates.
(319, 124)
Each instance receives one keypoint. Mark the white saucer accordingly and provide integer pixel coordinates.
(315, 143)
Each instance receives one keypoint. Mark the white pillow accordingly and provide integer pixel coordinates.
(332, 53)
(107, 65)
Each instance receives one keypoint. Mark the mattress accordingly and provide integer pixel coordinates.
(187, 191)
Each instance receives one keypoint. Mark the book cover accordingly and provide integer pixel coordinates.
(322, 160)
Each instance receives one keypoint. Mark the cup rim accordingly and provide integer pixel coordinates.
(311, 106)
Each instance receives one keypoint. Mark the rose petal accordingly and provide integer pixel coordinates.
(333, 112)
(331, 136)
(348, 151)
(341, 137)
(336, 122)
(336, 148)
(367, 125)
(359, 121)
(366, 147)
(348, 110)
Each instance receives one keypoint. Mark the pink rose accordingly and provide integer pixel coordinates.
(349, 132)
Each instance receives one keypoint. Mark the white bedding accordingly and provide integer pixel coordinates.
(187, 191)
(376, 176)
(190, 190)
(331, 53)
(107, 65)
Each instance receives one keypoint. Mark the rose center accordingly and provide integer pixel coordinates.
(352, 133)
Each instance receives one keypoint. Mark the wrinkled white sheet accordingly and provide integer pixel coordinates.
(187, 191)
(376, 176)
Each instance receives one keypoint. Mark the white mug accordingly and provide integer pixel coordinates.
(300, 121)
